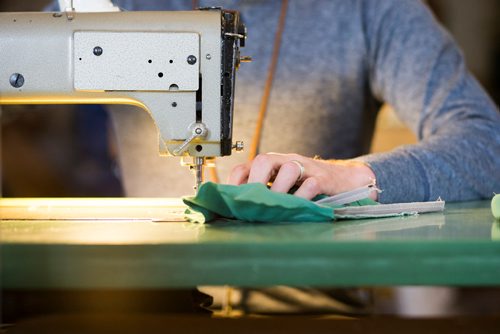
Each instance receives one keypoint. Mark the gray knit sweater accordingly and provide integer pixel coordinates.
(340, 59)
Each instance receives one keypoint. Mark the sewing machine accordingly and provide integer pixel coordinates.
(178, 66)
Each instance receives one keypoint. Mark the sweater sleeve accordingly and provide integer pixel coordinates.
(416, 67)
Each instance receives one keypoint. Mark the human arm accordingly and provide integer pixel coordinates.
(415, 66)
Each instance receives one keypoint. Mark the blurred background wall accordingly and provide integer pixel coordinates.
(67, 151)
(22, 5)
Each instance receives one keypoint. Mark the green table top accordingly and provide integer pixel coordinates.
(459, 247)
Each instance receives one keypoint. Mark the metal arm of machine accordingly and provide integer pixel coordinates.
(178, 66)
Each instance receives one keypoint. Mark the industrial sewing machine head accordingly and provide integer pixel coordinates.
(179, 66)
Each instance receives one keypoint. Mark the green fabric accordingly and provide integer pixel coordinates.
(252, 202)
(495, 206)
(256, 203)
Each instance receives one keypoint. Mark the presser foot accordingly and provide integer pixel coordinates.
(197, 166)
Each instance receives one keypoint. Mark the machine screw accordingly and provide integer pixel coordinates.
(191, 60)
(238, 146)
(97, 51)
(246, 59)
(16, 80)
(208, 56)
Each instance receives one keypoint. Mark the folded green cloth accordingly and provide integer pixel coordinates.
(254, 202)
(495, 206)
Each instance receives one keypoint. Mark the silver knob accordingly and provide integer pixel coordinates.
(238, 146)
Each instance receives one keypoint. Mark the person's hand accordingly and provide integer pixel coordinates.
(313, 176)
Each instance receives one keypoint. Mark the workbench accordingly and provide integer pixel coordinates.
(114, 274)
(460, 247)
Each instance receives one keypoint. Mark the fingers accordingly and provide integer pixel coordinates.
(284, 170)
(265, 167)
(319, 176)
(288, 170)
(288, 175)
(239, 174)
(310, 188)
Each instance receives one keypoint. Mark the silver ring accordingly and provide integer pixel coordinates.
(301, 167)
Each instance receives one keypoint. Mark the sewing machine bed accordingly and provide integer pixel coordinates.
(96, 209)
